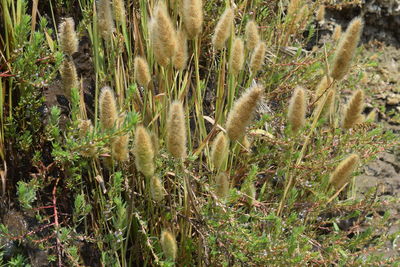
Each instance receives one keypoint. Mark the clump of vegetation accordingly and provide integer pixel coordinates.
(254, 175)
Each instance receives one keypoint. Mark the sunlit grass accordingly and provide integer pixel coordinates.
(280, 208)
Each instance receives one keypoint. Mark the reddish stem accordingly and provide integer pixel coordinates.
(56, 222)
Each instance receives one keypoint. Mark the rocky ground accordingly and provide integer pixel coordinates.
(381, 81)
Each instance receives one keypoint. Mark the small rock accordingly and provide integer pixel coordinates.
(393, 99)
(15, 223)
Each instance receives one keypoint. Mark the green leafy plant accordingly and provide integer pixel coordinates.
(127, 171)
(27, 193)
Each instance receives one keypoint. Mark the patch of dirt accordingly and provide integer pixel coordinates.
(382, 82)
(55, 94)
(19, 226)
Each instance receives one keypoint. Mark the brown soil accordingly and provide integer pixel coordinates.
(381, 81)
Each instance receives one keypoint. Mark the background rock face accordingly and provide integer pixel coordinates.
(381, 38)
(382, 19)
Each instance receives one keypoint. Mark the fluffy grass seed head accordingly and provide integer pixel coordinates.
(297, 109)
(157, 47)
(106, 22)
(141, 71)
(346, 49)
(144, 152)
(181, 55)
(343, 171)
(192, 17)
(246, 144)
(322, 91)
(293, 7)
(69, 77)
(252, 35)
(337, 33)
(157, 190)
(163, 35)
(108, 108)
(320, 13)
(352, 115)
(168, 244)
(249, 190)
(222, 185)
(322, 87)
(223, 29)
(219, 150)
(119, 144)
(301, 19)
(119, 148)
(68, 38)
(176, 131)
(119, 11)
(371, 117)
(258, 56)
(329, 103)
(155, 142)
(236, 59)
(85, 128)
(241, 114)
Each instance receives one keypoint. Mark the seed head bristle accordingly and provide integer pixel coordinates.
(219, 150)
(322, 87)
(155, 142)
(249, 190)
(119, 144)
(297, 109)
(192, 17)
(157, 190)
(168, 244)
(343, 171)
(371, 116)
(353, 110)
(163, 35)
(337, 33)
(106, 21)
(119, 148)
(301, 20)
(181, 55)
(258, 56)
(144, 152)
(222, 185)
(119, 11)
(236, 59)
(252, 35)
(320, 13)
(108, 108)
(223, 29)
(241, 114)
(88, 151)
(329, 103)
(68, 38)
(157, 47)
(346, 49)
(293, 7)
(141, 71)
(322, 91)
(246, 144)
(176, 131)
(69, 77)
(85, 128)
